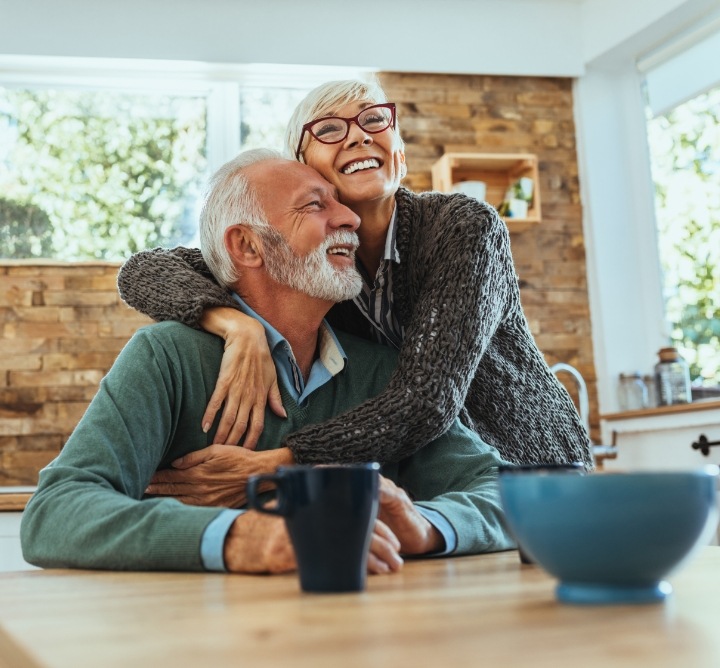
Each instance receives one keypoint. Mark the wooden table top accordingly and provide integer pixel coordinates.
(470, 611)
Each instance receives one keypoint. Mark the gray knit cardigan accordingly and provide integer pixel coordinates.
(467, 349)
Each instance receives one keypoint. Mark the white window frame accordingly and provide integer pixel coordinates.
(219, 83)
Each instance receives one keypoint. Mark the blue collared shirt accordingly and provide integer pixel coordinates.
(331, 360)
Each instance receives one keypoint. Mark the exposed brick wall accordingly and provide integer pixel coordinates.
(61, 326)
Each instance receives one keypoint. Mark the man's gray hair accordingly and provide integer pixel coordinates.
(230, 200)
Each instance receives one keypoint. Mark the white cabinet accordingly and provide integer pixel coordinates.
(663, 438)
(12, 503)
(10, 553)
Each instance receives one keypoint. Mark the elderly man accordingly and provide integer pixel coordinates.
(273, 230)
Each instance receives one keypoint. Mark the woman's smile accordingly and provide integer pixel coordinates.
(361, 165)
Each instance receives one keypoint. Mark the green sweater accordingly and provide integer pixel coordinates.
(89, 510)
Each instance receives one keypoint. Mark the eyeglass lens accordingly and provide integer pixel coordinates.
(334, 130)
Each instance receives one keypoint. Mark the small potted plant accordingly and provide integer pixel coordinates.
(518, 198)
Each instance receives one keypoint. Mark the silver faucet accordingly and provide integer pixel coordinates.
(582, 390)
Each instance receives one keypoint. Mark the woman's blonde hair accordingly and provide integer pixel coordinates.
(325, 100)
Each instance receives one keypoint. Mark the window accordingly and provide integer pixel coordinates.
(684, 138)
(685, 155)
(98, 174)
(101, 158)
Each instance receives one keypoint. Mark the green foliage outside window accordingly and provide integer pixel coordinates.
(685, 148)
(87, 175)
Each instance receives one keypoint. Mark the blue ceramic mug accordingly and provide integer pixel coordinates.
(330, 514)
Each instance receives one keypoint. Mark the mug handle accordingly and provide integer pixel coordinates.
(253, 494)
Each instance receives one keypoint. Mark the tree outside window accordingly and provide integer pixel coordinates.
(98, 175)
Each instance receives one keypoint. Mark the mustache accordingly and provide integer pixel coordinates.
(340, 238)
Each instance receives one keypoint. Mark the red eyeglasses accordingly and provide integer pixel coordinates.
(334, 129)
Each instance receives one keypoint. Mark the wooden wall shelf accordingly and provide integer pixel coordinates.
(498, 171)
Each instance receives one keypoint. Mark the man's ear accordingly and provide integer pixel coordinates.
(243, 246)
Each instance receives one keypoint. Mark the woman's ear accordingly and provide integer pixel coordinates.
(243, 246)
(403, 165)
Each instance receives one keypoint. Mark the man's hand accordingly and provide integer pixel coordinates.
(258, 543)
(384, 554)
(415, 534)
(216, 475)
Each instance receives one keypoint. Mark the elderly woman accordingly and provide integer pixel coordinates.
(439, 285)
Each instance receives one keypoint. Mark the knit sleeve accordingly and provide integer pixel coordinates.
(468, 285)
(171, 284)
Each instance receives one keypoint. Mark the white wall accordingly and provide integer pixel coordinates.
(623, 269)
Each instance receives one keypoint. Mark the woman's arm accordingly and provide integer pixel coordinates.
(171, 284)
(176, 284)
(469, 288)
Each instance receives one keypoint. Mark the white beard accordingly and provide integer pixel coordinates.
(312, 274)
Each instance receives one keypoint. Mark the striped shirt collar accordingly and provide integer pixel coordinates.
(330, 361)
(391, 250)
(375, 300)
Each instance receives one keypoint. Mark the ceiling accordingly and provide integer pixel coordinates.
(510, 37)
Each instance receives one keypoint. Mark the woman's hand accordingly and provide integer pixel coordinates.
(247, 379)
(216, 475)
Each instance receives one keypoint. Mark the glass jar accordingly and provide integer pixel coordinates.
(672, 378)
(652, 400)
(633, 392)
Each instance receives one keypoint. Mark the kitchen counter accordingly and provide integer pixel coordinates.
(12, 503)
(15, 498)
(676, 409)
(456, 612)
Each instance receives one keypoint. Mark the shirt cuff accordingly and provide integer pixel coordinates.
(439, 521)
(213, 540)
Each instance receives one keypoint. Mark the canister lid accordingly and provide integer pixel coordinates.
(668, 354)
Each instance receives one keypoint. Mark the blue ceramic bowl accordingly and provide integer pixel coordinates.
(610, 538)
